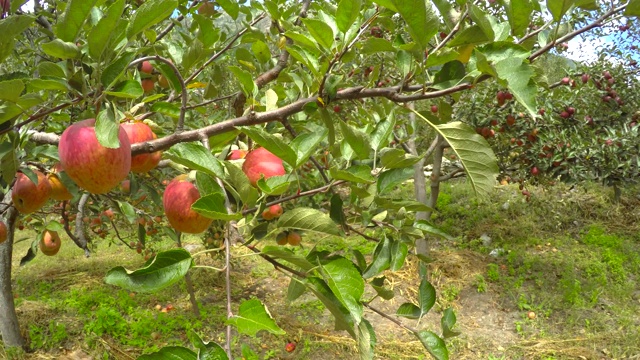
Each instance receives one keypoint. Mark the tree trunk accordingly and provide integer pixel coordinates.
(435, 175)
(419, 184)
(9, 327)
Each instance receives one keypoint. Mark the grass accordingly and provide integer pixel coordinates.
(571, 256)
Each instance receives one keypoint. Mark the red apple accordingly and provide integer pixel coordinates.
(28, 197)
(92, 166)
(534, 171)
(178, 197)
(206, 9)
(138, 132)
(434, 108)
(163, 82)
(3, 232)
(294, 238)
(147, 85)
(237, 154)
(125, 186)
(50, 243)
(146, 67)
(260, 162)
(274, 211)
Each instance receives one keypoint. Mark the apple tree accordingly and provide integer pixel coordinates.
(154, 118)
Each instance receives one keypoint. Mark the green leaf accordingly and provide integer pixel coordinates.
(472, 35)
(399, 251)
(306, 144)
(355, 174)
(59, 85)
(347, 13)
(426, 227)
(347, 284)
(381, 259)
(13, 25)
(398, 158)
(128, 89)
(559, 7)
(128, 211)
(366, 339)
(112, 73)
(239, 181)
(326, 296)
(107, 128)
(426, 296)
(451, 74)
(195, 156)
(357, 140)
(519, 15)
(397, 204)
(261, 51)
(288, 255)
(231, 7)
(11, 90)
(149, 14)
(321, 32)
(378, 285)
(207, 184)
(165, 108)
(60, 49)
(380, 136)
(212, 206)
(272, 143)
(422, 22)
(447, 322)
(374, 45)
(171, 353)
(74, 16)
(100, 34)
(309, 220)
(164, 270)
(335, 212)
(633, 8)
(276, 185)
(434, 345)
(328, 123)
(473, 151)
(482, 20)
(409, 311)
(253, 317)
(390, 179)
(246, 80)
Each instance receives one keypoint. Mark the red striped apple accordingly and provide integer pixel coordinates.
(140, 132)
(92, 166)
(3, 232)
(260, 162)
(28, 197)
(178, 197)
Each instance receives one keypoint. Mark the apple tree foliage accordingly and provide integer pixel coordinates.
(336, 89)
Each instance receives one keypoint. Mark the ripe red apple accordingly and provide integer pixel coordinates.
(585, 78)
(606, 74)
(565, 114)
(28, 197)
(147, 85)
(50, 243)
(3, 232)
(146, 67)
(92, 166)
(541, 111)
(207, 9)
(500, 96)
(125, 186)
(237, 154)
(508, 96)
(290, 347)
(337, 108)
(534, 171)
(511, 120)
(260, 162)
(178, 197)
(294, 238)
(565, 80)
(281, 239)
(274, 211)
(434, 108)
(138, 132)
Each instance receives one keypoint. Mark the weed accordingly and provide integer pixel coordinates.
(481, 284)
(493, 272)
